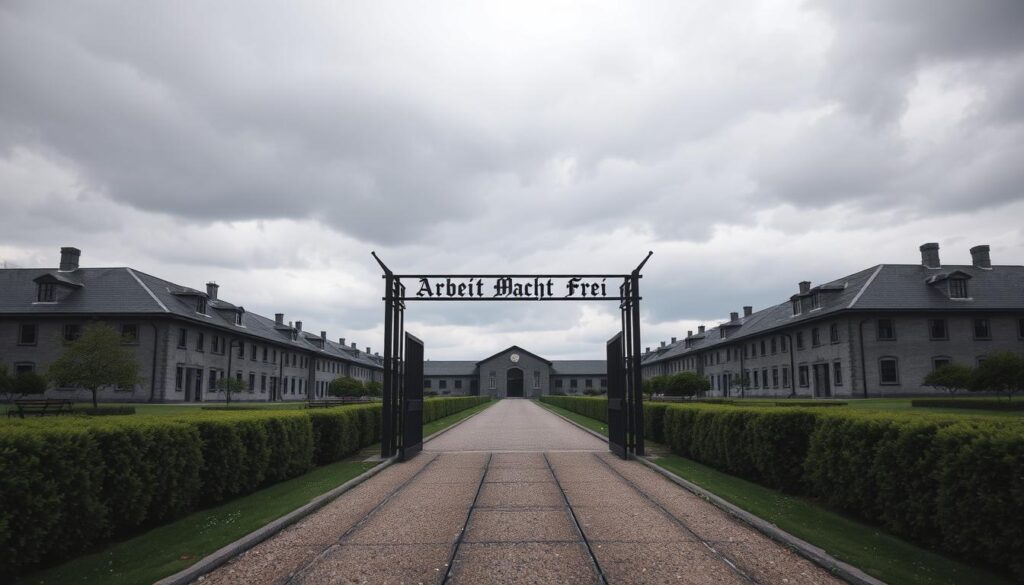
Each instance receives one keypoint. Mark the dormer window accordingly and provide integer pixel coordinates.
(796, 306)
(958, 288)
(201, 305)
(815, 302)
(238, 318)
(47, 292)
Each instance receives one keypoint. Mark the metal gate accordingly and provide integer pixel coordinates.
(616, 397)
(402, 412)
(412, 399)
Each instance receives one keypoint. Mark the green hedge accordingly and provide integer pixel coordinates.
(969, 403)
(68, 484)
(593, 407)
(950, 483)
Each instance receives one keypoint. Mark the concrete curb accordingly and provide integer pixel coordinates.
(227, 552)
(818, 556)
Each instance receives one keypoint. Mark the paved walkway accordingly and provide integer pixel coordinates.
(548, 505)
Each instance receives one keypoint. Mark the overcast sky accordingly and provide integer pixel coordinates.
(271, 146)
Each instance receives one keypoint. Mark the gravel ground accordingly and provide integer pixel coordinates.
(517, 495)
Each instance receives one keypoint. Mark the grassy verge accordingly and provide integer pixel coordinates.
(172, 547)
(875, 552)
(167, 549)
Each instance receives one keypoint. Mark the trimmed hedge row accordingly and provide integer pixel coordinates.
(590, 406)
(967, 403)
(68, 484)
(950, 483)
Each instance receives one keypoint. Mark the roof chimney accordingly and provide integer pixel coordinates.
(673, 340)
(341, 341)
(662, 344)
(805, 286)
(930, 255)
(748, 311)
(980, 257)
(353, 345)
(648, 350)
(298, 325)
(734, 316)
(279, 318)
(368, 349)
(323, 336)
(700, 329)
(211, 290)
(69, 259)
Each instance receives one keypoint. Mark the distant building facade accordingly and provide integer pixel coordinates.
(877, 332)
(514, 372)
(184, 339)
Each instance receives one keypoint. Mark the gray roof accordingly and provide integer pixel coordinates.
(885, 287)
(449, 368)
(124, 291)
(579, 367)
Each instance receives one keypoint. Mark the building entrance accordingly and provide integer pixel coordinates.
(514, 383)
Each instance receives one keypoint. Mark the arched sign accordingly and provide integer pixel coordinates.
(403, 353)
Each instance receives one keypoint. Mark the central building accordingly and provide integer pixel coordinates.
(514, 373)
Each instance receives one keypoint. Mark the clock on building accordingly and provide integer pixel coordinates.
(514, 357)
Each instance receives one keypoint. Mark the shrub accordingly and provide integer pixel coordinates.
(108, 411)
(966, 403)
(685, 384)
(346, 386)
(1000, 372)
(28, 383)
(950, 377)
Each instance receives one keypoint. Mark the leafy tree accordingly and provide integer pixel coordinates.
(658, 384)
(685, 384)
(1000, 372)
(94, 360)
(229, 385)
(950, 377)
(29, 383)
(374, 388)
(346, 386)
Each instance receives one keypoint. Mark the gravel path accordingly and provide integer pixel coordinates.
(517, 495)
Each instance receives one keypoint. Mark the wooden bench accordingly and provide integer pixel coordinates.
(40, 407)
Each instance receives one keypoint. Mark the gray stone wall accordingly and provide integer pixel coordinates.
(502, 363)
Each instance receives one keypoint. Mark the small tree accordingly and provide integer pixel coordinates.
(229, 385)
(27, 383)
(1000, 372)
(950, 377)
(659, 384)
(94, 360)
(373, 388)
(685, 384)
(346, 386)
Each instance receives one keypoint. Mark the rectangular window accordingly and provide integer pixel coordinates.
(238, 318)
(265, 354)
(200, 342)
(589, 383)
(815, 337)
(274, 357)
(815, 301)
(785, 377)
(213, 379)
(574, 383)
(27, 334)
(937, 329)
(490, 381)
(775, 377)
(252, 382)
(604, 382)
(773, 345)
(558, 383)
(458, 384)
(981, 330)
(24, 368)
(442, 384)
(201, 305)
(427, 383)
(784, 348)
(888, 371)
(764, 377)
(833, 333)
(796, 306)
(958, 288)
(263, 383)
(182, 338)
(763, 352)
(939, 362)
(837, 373)
(756, 379)
(179, 378)
(72, 332)
(129, 333)
(536, 379)
(799, 339)
(886, 330)
(803, 376)
(241, 350)
(47, 293)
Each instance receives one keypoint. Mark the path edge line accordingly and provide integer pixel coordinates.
(229, 551)
(816, 555)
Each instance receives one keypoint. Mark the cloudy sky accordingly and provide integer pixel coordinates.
(271, 146)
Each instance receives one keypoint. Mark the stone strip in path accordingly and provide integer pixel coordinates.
(518, 513)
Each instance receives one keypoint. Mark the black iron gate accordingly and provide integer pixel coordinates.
(402, 413)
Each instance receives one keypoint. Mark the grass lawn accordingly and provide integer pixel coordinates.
(875, 552)
(167, 549)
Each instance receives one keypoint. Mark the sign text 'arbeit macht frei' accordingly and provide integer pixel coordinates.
(535, 288)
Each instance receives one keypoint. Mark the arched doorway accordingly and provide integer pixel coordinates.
(514, 383)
